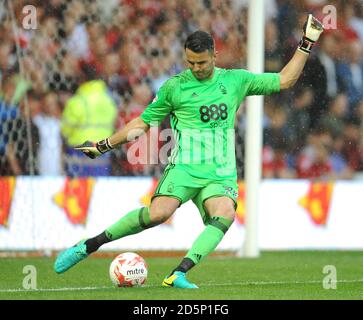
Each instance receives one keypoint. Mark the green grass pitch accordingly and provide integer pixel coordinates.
(274, 275)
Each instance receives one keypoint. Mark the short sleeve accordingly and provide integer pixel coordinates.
(264, 84)
(251, 84)
(160, 107)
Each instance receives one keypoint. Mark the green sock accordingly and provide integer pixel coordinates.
(133, 222)
(209, 238)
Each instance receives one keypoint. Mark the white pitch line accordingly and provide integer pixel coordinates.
(53, 289)
(264, 283)
(246, 283)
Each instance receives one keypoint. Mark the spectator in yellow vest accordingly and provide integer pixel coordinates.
(91, 112)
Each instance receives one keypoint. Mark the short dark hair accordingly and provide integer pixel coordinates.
(199, 41)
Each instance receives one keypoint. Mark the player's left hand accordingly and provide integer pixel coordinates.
(92, 149)
(312, 29)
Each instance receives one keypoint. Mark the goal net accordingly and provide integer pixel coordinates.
(78, 70)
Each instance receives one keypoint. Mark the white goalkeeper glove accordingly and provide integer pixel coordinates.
(312, 30)
(93, 150)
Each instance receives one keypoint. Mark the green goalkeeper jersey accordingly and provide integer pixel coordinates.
(202, 117)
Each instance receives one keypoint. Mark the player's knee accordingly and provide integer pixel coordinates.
(159, 215)
(225, 210)
(223, 221)
(162, 209)
(228, 213)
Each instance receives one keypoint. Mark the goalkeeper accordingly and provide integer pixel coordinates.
(202, 102)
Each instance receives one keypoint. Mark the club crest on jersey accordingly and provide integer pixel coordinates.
(222, 88)
(170, 187)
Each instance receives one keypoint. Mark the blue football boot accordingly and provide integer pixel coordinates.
(69, 257)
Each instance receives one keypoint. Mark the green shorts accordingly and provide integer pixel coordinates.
(179, 184)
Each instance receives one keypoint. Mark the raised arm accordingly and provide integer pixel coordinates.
(130, 132)
(292, 71)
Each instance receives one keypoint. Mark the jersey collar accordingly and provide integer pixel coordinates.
(216, 72)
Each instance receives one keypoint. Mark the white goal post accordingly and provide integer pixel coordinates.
(253, 138)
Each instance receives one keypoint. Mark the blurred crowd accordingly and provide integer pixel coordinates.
(89, 67)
